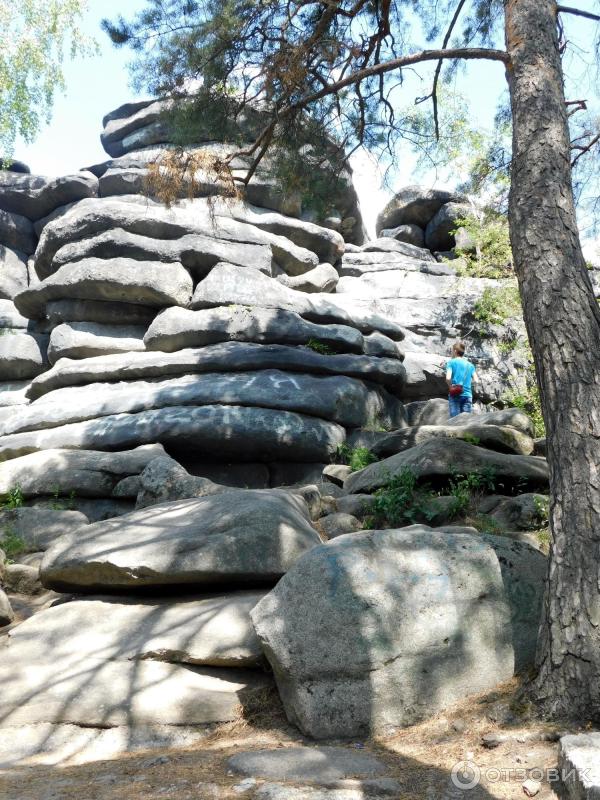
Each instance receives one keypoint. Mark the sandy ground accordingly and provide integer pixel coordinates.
(421, 758)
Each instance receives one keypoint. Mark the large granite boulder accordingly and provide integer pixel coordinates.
(223, 357)
(495, 437)
(121, 280)
(16, 232)
(438, 234)
(36, 196)
(22, 354)
(13, 272)
(85, 473)
(384, 628)
(243, 537)
(414, 205)
(178, 328)
(232, 432)
(438, 459)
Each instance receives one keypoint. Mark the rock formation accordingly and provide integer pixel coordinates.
(175, 383)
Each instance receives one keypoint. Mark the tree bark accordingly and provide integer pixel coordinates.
(563, 323)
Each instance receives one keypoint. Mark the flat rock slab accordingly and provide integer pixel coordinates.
(214, 631)
(39, 527)
(224, 357)
(579, 762)
(347, 401)
(369, 789)
(314, 764)
(239, 433)
(442, 458)
(241, 538)
(495, 437)
(86, 473)
(120, 280)
(103, 694)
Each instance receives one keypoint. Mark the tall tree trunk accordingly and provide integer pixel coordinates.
(563, 323)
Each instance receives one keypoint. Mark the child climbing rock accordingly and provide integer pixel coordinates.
(460, 374)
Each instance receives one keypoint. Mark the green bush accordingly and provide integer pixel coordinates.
(320, 347)
(12, 544)
(14, 498)
(495, 306)
(492, 254)
(355, 457)
(529, 401)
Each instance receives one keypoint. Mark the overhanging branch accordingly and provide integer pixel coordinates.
(578, 12)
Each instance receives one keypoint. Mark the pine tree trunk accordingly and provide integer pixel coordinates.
(563, 323)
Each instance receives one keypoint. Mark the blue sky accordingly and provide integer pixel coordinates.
(95, 85)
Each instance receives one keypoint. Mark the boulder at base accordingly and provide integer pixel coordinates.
(243, 537)
(442, 458)
(384, 628)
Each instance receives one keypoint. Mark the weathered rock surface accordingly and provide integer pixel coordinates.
(120, 280)
(6, 613)
(13, 272)
(179, 328)
(37, 528)
(313, 764)
(89, 339)
(236, 432)
(323, 278)
(164, 480)
(401, 624)
(10, 318)
(495, 437)
(239, 538)
(86, 473)
(35, 196)
(13, 393)
(334, 525)
(142, 216)
(413, 205)
(438, 234)
(409, 233)
(223, 357)
(109, 693)
(22, 355)
(441, 458)
(16, 232)
(228, 284)
(527, 512)
(347, 401)
(198, 253)
(213, 631)
(22, 579)
(99, 311)
(511, 417)
(579, 763)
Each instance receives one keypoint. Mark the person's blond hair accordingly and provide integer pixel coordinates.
(459, 347)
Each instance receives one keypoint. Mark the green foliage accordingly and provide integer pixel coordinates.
(61, 502)
(542, 507)
(495, 306)
(12, 544)
(35, 36)
(405, 501)
(355, 457)
(485, 523)
(14, 498)
(529, 401)
(470, 438)
(464, 488)
(491, 254)
(320, 347)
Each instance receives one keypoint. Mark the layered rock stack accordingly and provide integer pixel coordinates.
(174, 385)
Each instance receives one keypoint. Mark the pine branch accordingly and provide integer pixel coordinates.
(578, 12)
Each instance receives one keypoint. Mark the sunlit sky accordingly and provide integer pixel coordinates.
(100, 83)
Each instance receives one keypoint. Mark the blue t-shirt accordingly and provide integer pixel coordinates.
(462, 372)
